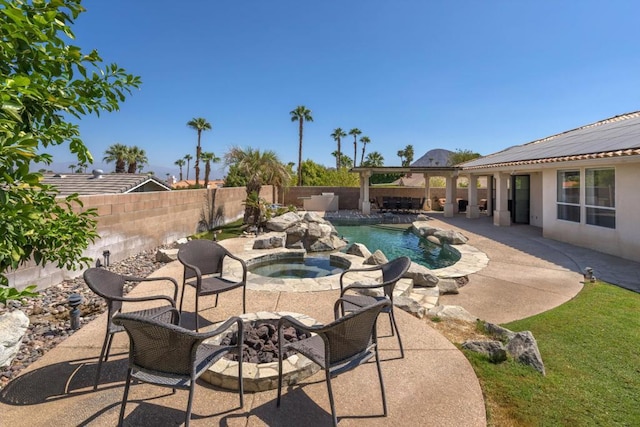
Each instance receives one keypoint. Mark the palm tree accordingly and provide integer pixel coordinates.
(300, 115)
(374, 159)
(188, 158)
(259, 168)
(365, 140)
(408, 155)
(336, 135)
(208, 157)
(135, 156)
(117, 153)
(344, 160)
(355, 132)
(401, 155)
(198, 124)
(180, 163)
(72, 168)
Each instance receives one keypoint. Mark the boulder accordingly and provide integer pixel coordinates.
(311, 216)
(448, 286)
(166, 255)
(421, 276)
(13, 327)
(498, 331)
(494, 350)
(314, 231)
(434, 240)
(377, 258)
(452, 312)
(284, 221)
(409, 305)
(524, 348)
(450, 236)
(358, 249)
(270, 241)
(322, 244)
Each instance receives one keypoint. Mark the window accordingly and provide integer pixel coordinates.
(569, 195)
(600, 191)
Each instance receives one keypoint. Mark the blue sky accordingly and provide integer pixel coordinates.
(477, 75)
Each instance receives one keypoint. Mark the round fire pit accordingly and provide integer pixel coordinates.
(260, 370)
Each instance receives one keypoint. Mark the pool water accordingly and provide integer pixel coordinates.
(299, 268)
(395, 242)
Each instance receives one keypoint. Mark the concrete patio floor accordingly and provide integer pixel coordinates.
(433, 385)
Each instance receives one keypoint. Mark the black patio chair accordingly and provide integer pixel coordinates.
(338, 347)
(171, 356)
(110, 286)
(392, 271)
(203, 270)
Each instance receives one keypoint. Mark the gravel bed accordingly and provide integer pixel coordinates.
(49, 313)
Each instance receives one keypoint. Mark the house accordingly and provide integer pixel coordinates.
(86, 184)
(579, 186)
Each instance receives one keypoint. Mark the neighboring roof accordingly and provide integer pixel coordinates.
(213, 183)
(613, 137)
(433, 158)
(110, 183)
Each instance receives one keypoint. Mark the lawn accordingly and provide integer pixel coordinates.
(591, 350)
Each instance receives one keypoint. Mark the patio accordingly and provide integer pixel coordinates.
(432, 385)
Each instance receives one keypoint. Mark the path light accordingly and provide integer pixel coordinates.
(106, 254)
(74, 301)
(588, 275)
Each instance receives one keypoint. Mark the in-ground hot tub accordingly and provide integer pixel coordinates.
(295, 265)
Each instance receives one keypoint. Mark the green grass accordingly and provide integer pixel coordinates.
(227, 231)
(591, 350)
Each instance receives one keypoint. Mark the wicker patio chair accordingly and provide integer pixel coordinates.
(338, 347)
(392, 271)
(110, 286)
(203, 266)
(168, 355)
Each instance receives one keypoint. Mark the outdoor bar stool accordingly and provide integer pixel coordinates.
(392, 271)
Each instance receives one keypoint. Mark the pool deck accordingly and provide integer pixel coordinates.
(434, 385)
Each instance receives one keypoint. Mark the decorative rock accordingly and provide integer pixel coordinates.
(377, 258)
(498, 331)
(495, 350)
(448, 286)
(166, 255)
(452, 312)
(311, 216)
(314, 231)
(182, 241)
(422, 217)
(434, 240)
(524, 348)
(421, 276)
(409, 305)
(450, 236)
(13, 326)
(322, 244)
(358, 249)
(283, 222)
(269, 241)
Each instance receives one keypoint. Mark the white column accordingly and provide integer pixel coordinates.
(472, 208)
(501, 214)
(450, 205)
(427, 192)
(366, 205)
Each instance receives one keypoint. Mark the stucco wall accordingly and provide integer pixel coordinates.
(131, 223)
(624, 240)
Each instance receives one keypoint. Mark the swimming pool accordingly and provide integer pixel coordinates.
(396, 241)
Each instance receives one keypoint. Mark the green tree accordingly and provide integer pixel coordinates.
(198, 124)
(135, 156)
(117, 153)
(355, 132)
(345, 161)
(374, 159)
(188, 158)
(461, 156)
(408, 155)
(180, 163)
(208, 158)
(301, 114)
(44, 84)
(259, 168)
(337, 135)
(365, 140)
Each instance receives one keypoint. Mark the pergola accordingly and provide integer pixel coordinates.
(450, 173)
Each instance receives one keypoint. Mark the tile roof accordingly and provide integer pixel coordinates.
(613, 137)
(107, 183)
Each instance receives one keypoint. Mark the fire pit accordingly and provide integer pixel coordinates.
(260, 368)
